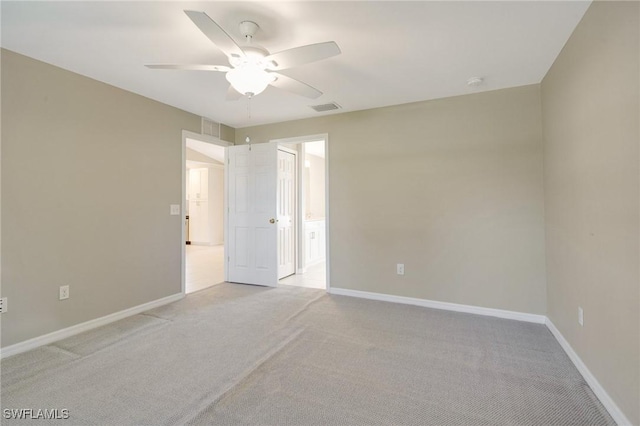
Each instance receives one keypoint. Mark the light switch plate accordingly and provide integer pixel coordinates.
(580, 316)
(174, 209)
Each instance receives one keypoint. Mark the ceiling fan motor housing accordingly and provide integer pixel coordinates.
(248, 29)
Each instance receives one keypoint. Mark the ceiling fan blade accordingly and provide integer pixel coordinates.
(302, 55)
(215, 33)
(233, 94)
(220, 68)
(294, 86)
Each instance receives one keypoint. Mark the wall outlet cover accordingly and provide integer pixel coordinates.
(64, 292)
(174, 209)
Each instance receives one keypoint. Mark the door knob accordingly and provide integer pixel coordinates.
(272, 220)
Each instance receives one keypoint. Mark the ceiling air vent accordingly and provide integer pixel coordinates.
(210, 127)
(326, 107)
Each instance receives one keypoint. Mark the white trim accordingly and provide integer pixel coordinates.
(302, 211)
(595, 386)
(85, 326)
(183, 215)
(225, 217)
(327, 216)
(469, 309)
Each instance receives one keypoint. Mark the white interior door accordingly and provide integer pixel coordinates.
(251, 200)
(286, 213)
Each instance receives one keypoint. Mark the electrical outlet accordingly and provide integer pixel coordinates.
(64, 292)
(3, 305)
(580, 316)
(400, 269)
(174, 209)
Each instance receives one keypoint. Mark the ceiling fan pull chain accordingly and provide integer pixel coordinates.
(249, 107)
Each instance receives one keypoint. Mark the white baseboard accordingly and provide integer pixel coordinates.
(499, 313)
(598, 390)
(595, 386)
(85, 326)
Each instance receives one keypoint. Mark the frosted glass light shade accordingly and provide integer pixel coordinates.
(249, 79)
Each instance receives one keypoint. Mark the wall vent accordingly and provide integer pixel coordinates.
(326, 107)
(210, 127)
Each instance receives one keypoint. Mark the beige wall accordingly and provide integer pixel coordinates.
(88, 173)
(452, 188)
(590, 120)
(227, 133)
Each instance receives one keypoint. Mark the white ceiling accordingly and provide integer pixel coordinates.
(392, 52)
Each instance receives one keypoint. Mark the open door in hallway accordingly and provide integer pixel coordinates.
(252, 200)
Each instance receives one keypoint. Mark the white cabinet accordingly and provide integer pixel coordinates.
(198, 184)
(314, 241)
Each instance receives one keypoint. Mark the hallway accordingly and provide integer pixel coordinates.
(204, 267)
(314, 277)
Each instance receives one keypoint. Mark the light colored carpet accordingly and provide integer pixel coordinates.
(235, 354)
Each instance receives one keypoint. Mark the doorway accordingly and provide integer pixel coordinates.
(302, 212)
(203, 209)
(251, 221)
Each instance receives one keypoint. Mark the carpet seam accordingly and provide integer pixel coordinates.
(50, 371)
(115, 344)
(304, 308)
(147, 314)
(243, 377)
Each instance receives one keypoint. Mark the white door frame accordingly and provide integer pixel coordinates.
(186, 134)
(311, 138)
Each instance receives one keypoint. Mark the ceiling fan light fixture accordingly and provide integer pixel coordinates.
(249, 79)
(253, 67)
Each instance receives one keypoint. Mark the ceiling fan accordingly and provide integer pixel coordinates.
(253, 67)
